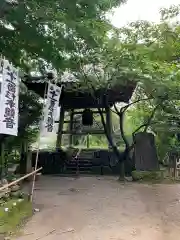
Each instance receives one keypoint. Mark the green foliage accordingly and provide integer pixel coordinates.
(52, 32)
(148, 54)
(39, 35)
(147, 175)
(14, 217)
(73, 36)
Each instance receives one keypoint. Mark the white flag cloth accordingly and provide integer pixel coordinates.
(50, 110)
(9, 99)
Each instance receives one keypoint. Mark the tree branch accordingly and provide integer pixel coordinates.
(149, 122)
(116, 109)
(132, 103)
(143, 125)
(123, 109)
(151, 117)
(113, 111)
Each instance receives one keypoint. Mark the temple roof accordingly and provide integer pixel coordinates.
(74, 98)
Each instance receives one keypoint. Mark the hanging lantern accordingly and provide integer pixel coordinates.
(87, 117)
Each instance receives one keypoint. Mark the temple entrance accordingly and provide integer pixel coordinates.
(77, 124)
(80, 129)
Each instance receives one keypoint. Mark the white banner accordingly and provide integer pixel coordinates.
(9, 100)
(50, 110)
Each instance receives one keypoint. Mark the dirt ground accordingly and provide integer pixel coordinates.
(101, 208)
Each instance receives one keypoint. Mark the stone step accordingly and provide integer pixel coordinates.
(80, 168)
(80, 164)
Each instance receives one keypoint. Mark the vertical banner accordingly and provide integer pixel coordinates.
(1, 73)
(9, 100)
(50, 110)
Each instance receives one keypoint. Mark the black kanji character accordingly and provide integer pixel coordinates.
(50, 120)
(51, 106)
(11, 87)
(8, 95)
(53, 93)
(12, 77)
(50, 114)
(9, 122)
(11, 103)
(9, 112)
(13, 96)
(8, 68)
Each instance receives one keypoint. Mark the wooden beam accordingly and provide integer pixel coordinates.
(84, 132)
(94, 112)
(67, 121)
(71, 127)
(88, 141)
(109, 122)
(60, 128)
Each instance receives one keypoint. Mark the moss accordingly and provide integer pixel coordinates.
(18, 211)
(147, 175)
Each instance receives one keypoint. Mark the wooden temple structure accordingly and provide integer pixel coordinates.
(76, 101)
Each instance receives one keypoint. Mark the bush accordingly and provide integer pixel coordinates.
(147, 175)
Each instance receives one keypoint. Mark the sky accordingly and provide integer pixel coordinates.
(140, 10)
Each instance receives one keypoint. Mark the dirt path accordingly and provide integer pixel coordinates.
(91, 208)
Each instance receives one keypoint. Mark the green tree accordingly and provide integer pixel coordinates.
(147, 54)
(52, 33)
(39, 35)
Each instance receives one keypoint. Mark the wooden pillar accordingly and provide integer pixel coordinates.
(60, 128)
(2, 140)
(29, 161)
(109, 121)
(23, 158)
(87, 141)
(71, 127)
(2, 159)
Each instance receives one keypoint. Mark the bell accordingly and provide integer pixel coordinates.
(87, 117)
(178, 136)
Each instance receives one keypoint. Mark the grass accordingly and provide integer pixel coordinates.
(154, 177)
(18, 212)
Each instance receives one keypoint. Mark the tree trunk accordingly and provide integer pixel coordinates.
(121, 171)
(23, 158)
(121, 126)
(117, 153)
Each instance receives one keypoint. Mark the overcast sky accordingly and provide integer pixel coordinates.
(140, 10)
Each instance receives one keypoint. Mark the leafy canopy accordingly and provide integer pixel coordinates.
(51, 31)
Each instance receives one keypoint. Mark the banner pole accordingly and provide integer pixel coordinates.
(39, 138)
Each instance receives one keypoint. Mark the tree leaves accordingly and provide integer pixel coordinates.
(52, 30)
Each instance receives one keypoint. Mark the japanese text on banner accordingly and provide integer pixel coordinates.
(50, 111)
(9, 100)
